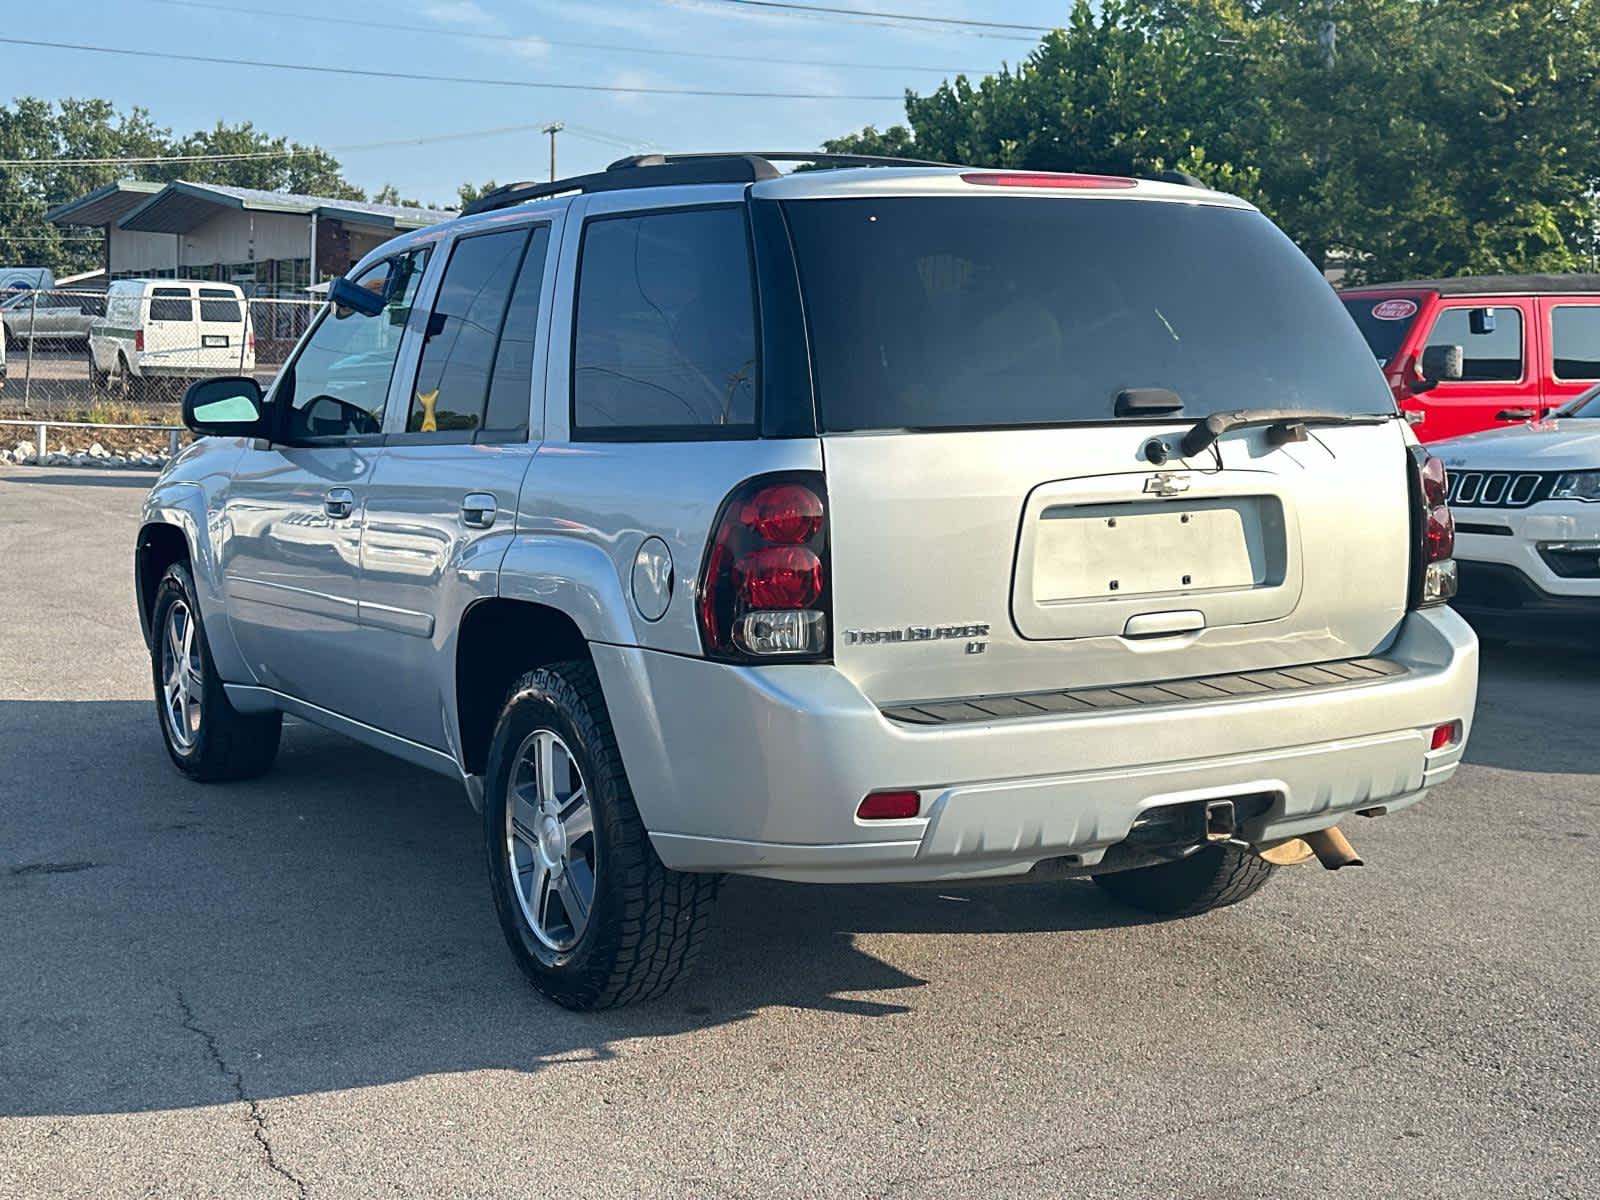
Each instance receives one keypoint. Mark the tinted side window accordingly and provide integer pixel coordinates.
(218, 304)
(1575, 337)
(511, 386)
(340, 381)
(1490, 357)
(665, 336)
(458, 356)
(171, 304)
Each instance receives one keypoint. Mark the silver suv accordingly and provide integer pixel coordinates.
(886, 523)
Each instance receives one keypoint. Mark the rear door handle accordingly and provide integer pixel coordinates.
(478, 510)
(339, 503)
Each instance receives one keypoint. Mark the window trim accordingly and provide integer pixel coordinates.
(1555, 307)
(458, 437)
(1525, 328)
(664, 433)
(280, 411)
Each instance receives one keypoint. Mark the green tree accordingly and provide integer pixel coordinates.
(37, 135)
(291, 167)
(468, 192)
(1399, 137)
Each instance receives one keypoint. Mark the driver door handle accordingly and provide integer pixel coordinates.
(338, 503)
(1515, 414)
(478, 510)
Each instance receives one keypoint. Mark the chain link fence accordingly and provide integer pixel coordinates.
(68, 359)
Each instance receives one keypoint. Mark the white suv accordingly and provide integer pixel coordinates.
(1529, 531)
(891, 523)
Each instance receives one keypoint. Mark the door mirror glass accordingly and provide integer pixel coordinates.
(353, 297)
(229, 406)
(1443, 363)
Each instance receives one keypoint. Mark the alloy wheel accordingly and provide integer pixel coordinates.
(550, 840)
(182, 676)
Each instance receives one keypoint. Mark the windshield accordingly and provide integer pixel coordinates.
(1005, 312)
(1586, 405)
(1383, 322)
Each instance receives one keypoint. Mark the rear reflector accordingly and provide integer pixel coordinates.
(1044, 179)
(890, 806)
(1444, 735)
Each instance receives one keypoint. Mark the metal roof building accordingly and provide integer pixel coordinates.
(270, 243)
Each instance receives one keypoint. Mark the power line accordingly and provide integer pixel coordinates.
(476, 35)
(411, 76)
(289, 152)
(878, 15)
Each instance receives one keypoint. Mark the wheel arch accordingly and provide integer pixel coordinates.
(159, 545)
(498, 641)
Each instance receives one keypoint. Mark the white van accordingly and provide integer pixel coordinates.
(170, 329)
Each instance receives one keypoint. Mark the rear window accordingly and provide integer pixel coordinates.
(1004, 312)
(219, 305)
(171, 304)
(1384, 321)
(1575, 337)
(665, 337)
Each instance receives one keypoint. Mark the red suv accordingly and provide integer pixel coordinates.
(1481, 351)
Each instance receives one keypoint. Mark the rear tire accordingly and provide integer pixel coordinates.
(591, 915)
(206, 737)
(1212, 877)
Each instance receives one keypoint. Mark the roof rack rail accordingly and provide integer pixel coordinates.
(665, 170)
(777, 156)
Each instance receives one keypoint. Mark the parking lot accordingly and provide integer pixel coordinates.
(296, 987)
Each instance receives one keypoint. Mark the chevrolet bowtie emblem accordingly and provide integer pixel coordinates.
(1163, 483)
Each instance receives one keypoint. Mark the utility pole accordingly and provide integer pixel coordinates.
(552, 129)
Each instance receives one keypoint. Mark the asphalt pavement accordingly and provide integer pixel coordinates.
(296, 987)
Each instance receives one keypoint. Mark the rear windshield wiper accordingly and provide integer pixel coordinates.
(1209, 429)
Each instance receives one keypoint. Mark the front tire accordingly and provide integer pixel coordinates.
(591, 915)
(1212, 877)
(206, 737)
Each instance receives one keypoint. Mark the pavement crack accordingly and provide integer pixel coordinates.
(235, 1078)
(1063, 1156)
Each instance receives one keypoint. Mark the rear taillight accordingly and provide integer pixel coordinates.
(1433, 574)
(138, 341)
(764, 587)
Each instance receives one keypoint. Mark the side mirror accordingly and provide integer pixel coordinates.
(1443, 363)
(347, 295)
(227, 406)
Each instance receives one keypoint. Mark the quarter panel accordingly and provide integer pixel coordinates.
(585, 510)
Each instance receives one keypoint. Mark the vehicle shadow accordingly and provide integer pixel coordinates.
(328, 926)
(1535, 704)
(86, 477)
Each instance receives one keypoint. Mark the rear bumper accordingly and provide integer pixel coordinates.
(759, 771)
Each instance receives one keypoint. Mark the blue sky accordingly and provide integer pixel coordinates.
(525, 42)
